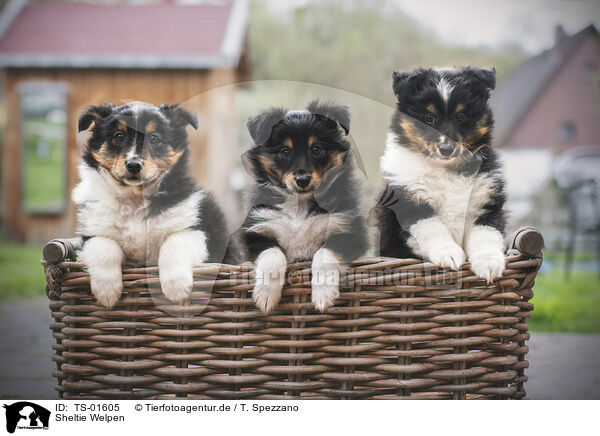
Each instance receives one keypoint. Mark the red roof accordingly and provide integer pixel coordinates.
(151, 33)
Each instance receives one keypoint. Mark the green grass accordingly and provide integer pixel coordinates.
(559, 256)
(566, 306)
(21, 274)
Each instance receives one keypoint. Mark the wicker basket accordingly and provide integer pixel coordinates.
(401, 329)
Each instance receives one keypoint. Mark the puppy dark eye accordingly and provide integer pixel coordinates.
(119, 138)
(317, 151)
(460, 116)
(153, 139)
(429, 119)
(284, 152)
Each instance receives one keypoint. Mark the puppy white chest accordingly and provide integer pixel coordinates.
(124, 219)
(455, 198)
(298, 233)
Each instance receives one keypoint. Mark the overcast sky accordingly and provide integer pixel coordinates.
(528, 23)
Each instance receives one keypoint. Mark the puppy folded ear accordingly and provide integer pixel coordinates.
(179, 116)
(403, 81)
(93, 114)
(487, 76)
(338, 113)
(260, 126)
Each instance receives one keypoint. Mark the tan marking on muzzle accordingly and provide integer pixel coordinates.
(269, 166)
(113, 164)
(154, 167)
(411, 134)
(289, 181)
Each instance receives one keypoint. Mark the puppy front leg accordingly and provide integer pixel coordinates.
(330, 261)
(271, 265)
(485, 248)
(326, 269)
(178, 255)
(104, 260)
(431, 239)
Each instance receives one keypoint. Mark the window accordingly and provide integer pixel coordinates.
(43, 146)
(566, 131)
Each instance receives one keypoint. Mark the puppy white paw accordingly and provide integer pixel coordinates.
(176, 260)
(325, 281)
(266, 297)
(324, 296)
(103, 259)
(269, 278)
(107, 286)
(176, 282)
(449, 255)
(488, 265)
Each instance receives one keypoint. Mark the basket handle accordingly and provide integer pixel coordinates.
(58, 250)
(528, 241)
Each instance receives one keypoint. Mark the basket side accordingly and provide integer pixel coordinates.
(402, 328)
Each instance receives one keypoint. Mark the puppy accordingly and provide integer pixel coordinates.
(444, 196)
(138, 202)
(306, 200)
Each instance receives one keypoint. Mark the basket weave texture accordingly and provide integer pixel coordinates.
(401, 328)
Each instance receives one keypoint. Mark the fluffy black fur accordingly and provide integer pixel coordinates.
(421, 117)
(311, 143)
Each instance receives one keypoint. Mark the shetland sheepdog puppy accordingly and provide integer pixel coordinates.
(138, 203)
(305, 202)
(445, 192)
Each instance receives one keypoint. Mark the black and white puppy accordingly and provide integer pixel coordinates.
(306, 200)
(444, 197)
(138, 202)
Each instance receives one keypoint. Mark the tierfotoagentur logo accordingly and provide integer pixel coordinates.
(26, 415)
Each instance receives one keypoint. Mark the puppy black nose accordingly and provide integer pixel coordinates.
(303, 181)
(133, 166)
(446, 148)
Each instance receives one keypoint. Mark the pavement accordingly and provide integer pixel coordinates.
(561, 365)
(26, 349)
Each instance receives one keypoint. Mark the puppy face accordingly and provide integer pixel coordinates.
(137, 143)
(444, 113)
(295, 150)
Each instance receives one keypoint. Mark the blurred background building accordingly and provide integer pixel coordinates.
(548, 104)
(59, 57)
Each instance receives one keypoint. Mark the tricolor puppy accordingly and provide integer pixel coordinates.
(138, 202)
(444, 198)
(305, 201)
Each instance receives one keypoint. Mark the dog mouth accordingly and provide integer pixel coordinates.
(443, 158)
(300, 190)
(132, 180)
(293, 189)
